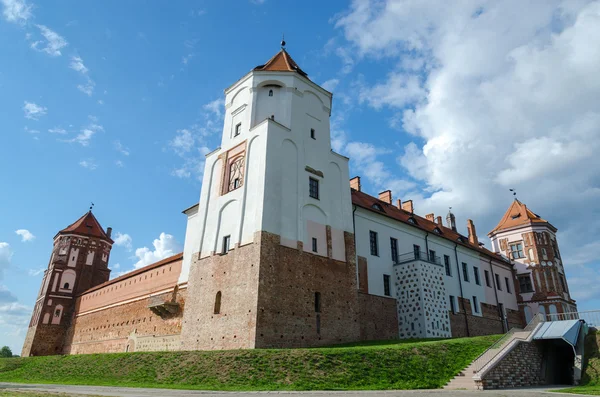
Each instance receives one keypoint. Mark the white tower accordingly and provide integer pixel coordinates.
(275, 170)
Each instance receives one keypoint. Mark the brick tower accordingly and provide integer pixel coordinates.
(530, 241)
(79, 261)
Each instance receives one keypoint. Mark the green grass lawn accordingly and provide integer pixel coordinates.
(376, 366)
(6, 393)
(590, 382)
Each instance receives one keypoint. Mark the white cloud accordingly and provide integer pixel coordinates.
(25, 234)
(119, 163)
(16, 10)
(53, 42)
(90, 164)
(6, 254)
(164, 246)
(57, 130)
(183, 142)
(14, 319)
(120, 148)
(77, 65)
(33, 111)
(88, 87)
(35, 272)
(330, 84)
(496, 95)
(86, 133)
(29, 130)
(123, 240)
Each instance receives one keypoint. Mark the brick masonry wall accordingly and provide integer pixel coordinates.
(112, 329)
(488, 323)
(235, 275)
(378, 317)
(521, 367)
(289, 279)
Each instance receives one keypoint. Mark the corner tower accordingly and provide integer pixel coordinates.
(531, 243)
(79, 261)
(272, 233)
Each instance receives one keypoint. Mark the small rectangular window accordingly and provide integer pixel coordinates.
(313, 185)
(238, 129)
(507, 282)
(417, 251)
(447, 265)
(465, 272)
(394, 249)
(432, 256)
(525, 283)
(226, 244)
(386, 285)
(498, 285)
(312, 133)
(516, 251)
(314, 244)
(487, 278)
(452, 304)
(317, 302)
(475, 304)
(476, 274)
(373, 243)
(562, 283)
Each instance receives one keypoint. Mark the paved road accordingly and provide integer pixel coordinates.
(135, 392)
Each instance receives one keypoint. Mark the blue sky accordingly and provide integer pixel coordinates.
(116, 102)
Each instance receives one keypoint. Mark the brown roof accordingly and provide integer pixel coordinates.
(518, 215)
(366, 201)
(87, 225)
(136, 272)
(281, 62)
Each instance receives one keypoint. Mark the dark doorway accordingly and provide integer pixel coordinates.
(558, 362)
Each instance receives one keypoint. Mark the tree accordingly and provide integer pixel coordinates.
(5, 352)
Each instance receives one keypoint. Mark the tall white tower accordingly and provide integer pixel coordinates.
(275, 170)
(269, 257)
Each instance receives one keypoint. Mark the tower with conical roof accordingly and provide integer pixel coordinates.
(272, 232)
(530, 241)
(79, 261)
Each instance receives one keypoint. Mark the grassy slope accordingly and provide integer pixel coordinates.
(590, 382)
(398, 365)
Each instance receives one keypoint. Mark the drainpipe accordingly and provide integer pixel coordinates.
(355, 250)
(496, 294)
(427, 247)
(460, 286)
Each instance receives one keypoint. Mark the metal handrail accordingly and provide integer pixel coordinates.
(591, 317)
(418, 255)
(488, 356)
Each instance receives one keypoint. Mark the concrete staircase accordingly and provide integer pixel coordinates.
(464, 379)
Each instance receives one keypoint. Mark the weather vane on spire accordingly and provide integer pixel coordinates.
(91, 206)
(514, 192)
(283, 41)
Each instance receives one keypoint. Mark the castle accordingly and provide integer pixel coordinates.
(280, 251)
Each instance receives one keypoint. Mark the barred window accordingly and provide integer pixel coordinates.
(447, 265)
(394, 249)
(465, 272)
(236, 174)
(373, 243)
(313, 186)
(386, 285)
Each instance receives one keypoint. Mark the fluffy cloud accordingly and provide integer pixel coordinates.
(89, 164)
(14, 319)
(123, 240)
(509, 99)
(33, 111)
(25, 234)
(87, 132)
(77, 65)
(164, 246)
(16, 10)
(57, 130)
(5, 257)
(120, 148)
(52, 43)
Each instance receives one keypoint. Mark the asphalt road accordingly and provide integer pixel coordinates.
(136, 392)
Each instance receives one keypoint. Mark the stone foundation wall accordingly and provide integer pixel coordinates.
(290, 278)
(235, 275)
(378, 317)
(521, 367)
(111, 330)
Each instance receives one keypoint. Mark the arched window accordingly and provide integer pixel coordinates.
(542, 311)
(46, 318)
(57, 314)
(236, 173)
(553, 313)
(218, 303)
(66, 286)
(67, 281)
(270, 92)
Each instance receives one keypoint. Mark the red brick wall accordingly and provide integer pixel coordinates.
(289, 279)
(488, 323)
(378, 317)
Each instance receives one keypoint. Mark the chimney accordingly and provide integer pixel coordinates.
(451, 221)
(438, 220)
(472, 233)
(355, 183)
(108, 231)
(386, 196)
(408, 206)
(399, 204)
(430, 217)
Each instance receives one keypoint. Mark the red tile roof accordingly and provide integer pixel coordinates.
(134, 273)
(366, 201)
(281, 62)
(518, 215)
(87, 225)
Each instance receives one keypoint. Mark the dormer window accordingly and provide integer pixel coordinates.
(437, 231)
(412, 220)
(270, 92)
(377, 207)
(515, 216)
